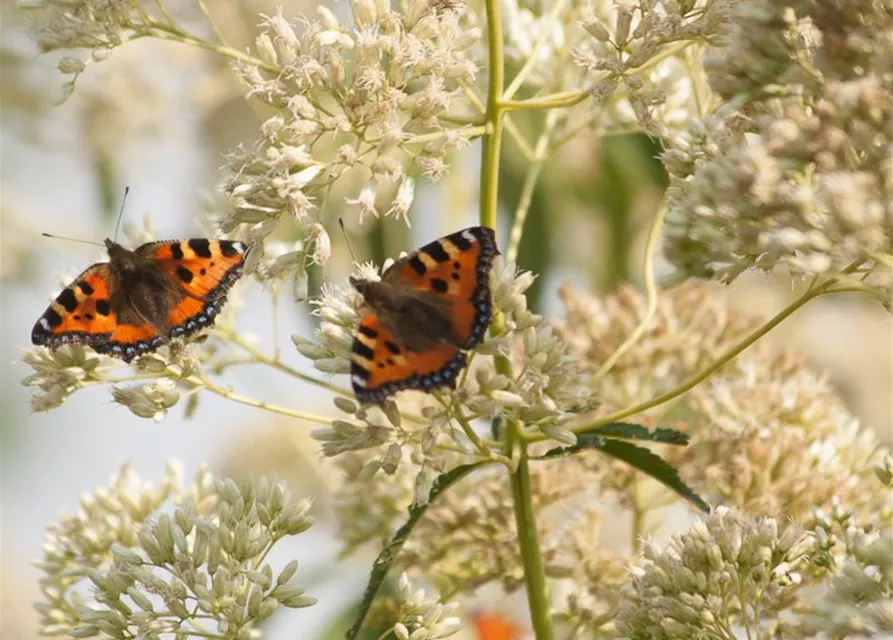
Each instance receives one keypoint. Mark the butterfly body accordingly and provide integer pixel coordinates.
(140, 299)
(427, 308)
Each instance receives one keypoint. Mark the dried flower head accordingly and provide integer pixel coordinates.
(803, 177)
(85, 24)
(773, 437)
(468, 537)
(155, 571)
(642, 60)
(767, 434)
(591, 577)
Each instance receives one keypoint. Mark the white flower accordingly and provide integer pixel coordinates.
(400, 207)
(365, 201)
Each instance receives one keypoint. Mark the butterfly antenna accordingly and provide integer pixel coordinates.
(347, 239)
(51, 235)
(121, 212)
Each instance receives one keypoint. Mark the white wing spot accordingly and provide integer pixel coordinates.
(43, 323)
(357, 380)
(468, 235)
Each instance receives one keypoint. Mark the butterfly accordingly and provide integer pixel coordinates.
(418, 320)
(140, 299)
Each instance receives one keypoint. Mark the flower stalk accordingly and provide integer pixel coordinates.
(528, 541)
(811, 293)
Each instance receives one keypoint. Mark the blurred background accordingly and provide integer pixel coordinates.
(158, 116)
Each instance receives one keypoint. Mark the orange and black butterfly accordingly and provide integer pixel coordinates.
(418, 320)
(140, 299)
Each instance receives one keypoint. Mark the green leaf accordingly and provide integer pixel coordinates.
(386, 558)
(627, 431)
(638, 457)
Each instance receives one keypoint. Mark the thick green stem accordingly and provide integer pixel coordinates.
(531, 557)
(493, 117)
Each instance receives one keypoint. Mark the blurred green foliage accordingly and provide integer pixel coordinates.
(614, 171)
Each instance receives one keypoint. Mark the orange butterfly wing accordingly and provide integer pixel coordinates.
(456, 267)
(381, 365)
(205, 270)
(80, 314)
(131, 340)
(83, 314)
(496, 626)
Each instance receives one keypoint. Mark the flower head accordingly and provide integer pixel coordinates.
(332, 127)
(153, 570)
(705, 579)
(802, 178)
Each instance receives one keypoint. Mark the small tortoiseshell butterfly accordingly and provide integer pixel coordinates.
(427, 308)
(140, 299)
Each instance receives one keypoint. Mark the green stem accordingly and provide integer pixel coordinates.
(217, 31)
(510, 128)
(493, 117)
(468, 132)
(530, 180)
(277, 364)
(531, 557)
(470, 433)
(553, 101)
(166, 32)
(650, 297)
(728, 356)
(258, 404)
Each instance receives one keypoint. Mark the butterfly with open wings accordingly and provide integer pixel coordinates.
(141, 299)
(421, 317)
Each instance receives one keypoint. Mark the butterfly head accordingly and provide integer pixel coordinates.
(375, 293)
(389, 297)
(124, 260)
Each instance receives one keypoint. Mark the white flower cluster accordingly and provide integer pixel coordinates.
(158, 572)
(704, 581)
(639, 69)
(354, 102)
(803, 177)
(423, 618)
(58, 374)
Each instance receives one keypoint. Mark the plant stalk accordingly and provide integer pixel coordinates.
(493, 117)
(525, 518)
(531, 556)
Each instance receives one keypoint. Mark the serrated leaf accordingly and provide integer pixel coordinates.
(629, 431)
(638, 457)
(386, 558)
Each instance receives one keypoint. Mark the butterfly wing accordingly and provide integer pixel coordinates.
(81, 314)
(204, 271)
(88, 312)
(457, 268)
(381, 365)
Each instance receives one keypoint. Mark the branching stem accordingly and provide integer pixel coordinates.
(810, 294)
